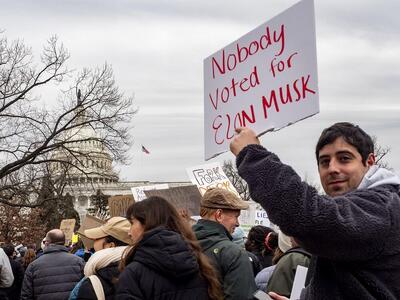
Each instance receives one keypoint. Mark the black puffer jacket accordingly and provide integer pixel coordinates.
(53, 275)
(163, 268)
(108, 277)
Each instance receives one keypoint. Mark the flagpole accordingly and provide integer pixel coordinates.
(141, 158)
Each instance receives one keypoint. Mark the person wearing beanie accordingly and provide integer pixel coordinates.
(110, 242)
(220, 210)
(282, 277)
(283, 244)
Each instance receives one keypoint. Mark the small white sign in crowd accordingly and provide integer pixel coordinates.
(212, 175)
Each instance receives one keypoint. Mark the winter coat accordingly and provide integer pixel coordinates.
(231, 262)
(355, 236)
(104, 264)
(163, 267)
(14, 291)
(263, 277)
(255, 263)
(6, 274)
(108, 277)
(282, 278)
(53, 275)
(265, 258)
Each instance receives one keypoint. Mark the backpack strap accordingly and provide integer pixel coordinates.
(98, 287)
(298, 250)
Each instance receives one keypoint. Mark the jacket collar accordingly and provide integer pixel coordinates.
(55, 248)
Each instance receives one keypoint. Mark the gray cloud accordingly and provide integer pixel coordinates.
(157, 49)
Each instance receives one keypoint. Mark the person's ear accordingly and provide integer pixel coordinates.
(371, 159)
(218, 215)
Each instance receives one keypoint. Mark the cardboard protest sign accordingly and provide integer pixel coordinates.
(265, 80)
(210, 175)
(184, 198)
(138, 191)
(88, 223)
(67, 226)
(119, 204)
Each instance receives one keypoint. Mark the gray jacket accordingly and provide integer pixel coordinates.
(53, 275)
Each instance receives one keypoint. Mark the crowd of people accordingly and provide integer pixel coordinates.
(348, 238)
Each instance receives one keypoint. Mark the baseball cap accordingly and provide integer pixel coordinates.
(222, 199)
(117, 227)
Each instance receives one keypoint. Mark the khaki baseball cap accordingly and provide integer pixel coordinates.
(222, 199)
(117, 227)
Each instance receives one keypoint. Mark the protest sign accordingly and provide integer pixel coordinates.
(265, 80)
(67, 226)
(299, 282)
(138, 191)
(254, 215)
(186, 199)
(88, 223)
(119, 204)
(208, 176)
(211, 175)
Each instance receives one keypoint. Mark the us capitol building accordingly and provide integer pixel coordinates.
(95, 169)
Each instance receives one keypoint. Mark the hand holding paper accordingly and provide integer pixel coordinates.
(276, 296)
(245, 136)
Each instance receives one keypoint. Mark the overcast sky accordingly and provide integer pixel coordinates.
(157, 48)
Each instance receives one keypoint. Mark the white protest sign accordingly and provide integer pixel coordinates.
(265, 80)
(299, 282)
(208, 176)
(261, 217)
(212, 175)
(138, 191)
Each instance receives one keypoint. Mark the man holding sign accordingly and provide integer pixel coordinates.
(353, 231)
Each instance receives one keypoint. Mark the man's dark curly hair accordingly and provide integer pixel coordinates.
(351, 134)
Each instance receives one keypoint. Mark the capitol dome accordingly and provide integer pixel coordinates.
(90, 161)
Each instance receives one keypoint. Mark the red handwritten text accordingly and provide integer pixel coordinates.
(298, 88)
(244, 85)
(224, 126)
(231, 60)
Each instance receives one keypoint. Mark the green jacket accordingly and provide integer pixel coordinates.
(282, 278)
(231, 262)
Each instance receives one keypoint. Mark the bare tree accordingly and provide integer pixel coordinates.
(380, 153)
(31, 133)
(238, 182)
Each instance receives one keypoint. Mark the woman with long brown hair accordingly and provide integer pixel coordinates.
(165, 261)
(30, 256)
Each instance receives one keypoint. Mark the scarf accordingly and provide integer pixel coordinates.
(102, 259)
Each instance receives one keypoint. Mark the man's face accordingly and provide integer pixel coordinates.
(341, 168)
(228, 218)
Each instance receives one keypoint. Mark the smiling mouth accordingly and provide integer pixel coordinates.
(336, 182)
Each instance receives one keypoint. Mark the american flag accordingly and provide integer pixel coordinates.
(145, 150)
